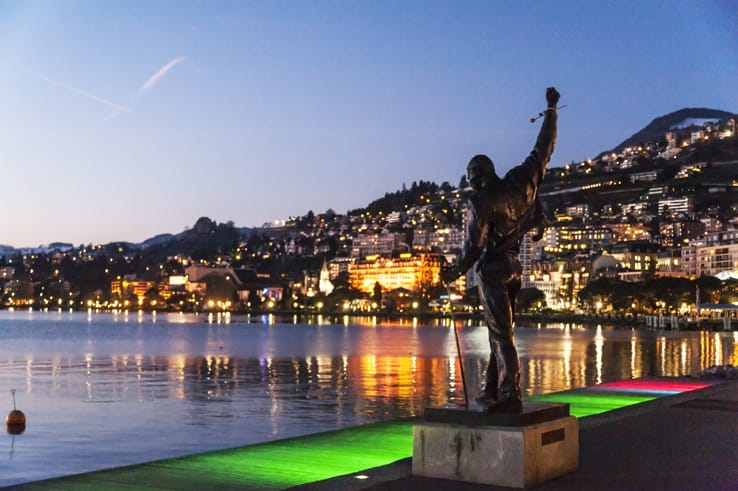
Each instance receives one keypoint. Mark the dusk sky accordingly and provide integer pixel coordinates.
(123, 120)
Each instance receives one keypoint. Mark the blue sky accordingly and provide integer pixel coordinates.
(123, 120)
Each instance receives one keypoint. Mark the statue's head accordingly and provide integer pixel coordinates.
(480, 171)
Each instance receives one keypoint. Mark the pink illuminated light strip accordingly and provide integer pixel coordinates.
(651, 386)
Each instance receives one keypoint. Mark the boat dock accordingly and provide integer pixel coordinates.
(655, 433)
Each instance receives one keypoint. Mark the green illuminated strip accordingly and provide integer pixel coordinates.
(589, 403)
(273, 465)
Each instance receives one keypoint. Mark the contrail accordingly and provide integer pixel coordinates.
(154, 79)
(81, 92)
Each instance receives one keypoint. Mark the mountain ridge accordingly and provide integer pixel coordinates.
(659, 126)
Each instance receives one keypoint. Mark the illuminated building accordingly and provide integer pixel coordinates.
(636, 255)
(560, 282)
(370, 244)
(530, 253)
(576, 238)
(414, 273)
(714, 254)
(713, 260)
(324, 284)
(625, 232)
(677, 232)
(670, 263)
(122, 288)
(339, 265)
(443, 240)
(676, 205)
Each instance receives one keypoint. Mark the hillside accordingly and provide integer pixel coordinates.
(681, 119)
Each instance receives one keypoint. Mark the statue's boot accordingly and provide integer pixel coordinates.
(489, 395)
(509, 395)
(486, 398)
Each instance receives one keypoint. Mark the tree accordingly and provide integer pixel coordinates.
(607, 293)
(530, 298)
(342, 296)
(667, 293)
(729, 292)
(152, 298)
(377, 295)
(341, 280)
(709, 288)
(253, 299)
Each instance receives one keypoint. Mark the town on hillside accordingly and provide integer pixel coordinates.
(647, 229)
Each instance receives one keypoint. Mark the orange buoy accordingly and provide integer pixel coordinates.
(15, 423)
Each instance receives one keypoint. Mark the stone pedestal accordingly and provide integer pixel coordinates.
(514, 450)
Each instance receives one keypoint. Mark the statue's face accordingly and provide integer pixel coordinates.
(476, 177)
(479, 170)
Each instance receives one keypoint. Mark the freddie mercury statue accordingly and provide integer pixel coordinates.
(502, 211)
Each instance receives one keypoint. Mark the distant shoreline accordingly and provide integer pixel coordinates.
(522, 319)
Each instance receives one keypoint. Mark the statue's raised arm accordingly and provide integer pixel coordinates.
(529, 174)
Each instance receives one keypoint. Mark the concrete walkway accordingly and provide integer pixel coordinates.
(684, 442)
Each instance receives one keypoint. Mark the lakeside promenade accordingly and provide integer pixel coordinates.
(675, 433)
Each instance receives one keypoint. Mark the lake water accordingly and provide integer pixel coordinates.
(104, 390)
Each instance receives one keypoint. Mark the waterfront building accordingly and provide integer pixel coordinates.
(20, 291)
(711, 224)
(223, 283)
(716, 260)
(339, 265)
(669, 263)
(576, 238)
(445, 239)
(414, 273)
(560, 280)
(581, 210)
(196, 272)
(689, 260)
(648, 176)
(395, 217)
(720, 237)
(636, 255)
(637, 208)
(123, 288)
(324, 285)
(684, 204)
(530, 254)
(716, 253)
(678, 232)
(605, 266)
(550, 284)
(421, 240)
(377, 244)
(626, 232)
(656, 192)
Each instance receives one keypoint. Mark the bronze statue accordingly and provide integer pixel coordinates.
(502, 211)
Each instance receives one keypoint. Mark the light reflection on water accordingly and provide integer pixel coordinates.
(103, 390)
